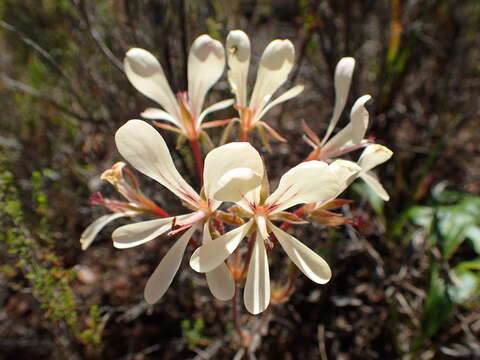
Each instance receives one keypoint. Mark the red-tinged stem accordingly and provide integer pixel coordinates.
(312, 156)
(197, 155)
(160, 212)
(299, 212)
(194, 243)
(251, 242)
(244, 135)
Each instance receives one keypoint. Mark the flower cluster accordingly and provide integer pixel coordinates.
(234, 220)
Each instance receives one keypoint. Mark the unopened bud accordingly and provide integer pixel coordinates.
(114, 174)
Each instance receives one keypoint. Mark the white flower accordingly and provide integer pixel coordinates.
(309, 182)
(351, 137)
(144, 148)
(206, 62)
(372, 156)
(274, 67)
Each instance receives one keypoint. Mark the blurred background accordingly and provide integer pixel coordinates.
(406, 281)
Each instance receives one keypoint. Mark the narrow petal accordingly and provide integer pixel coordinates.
(162, 277)
(287, 95)
(219, 280)
(221, 283)
(206, 62)
(144, 148)
(309, 262)
(354, 132)
(256, 295)
(343, 79)
(371, 181)
(132, 235)
(223, 161)
(274, 68)
(209, 256)
(374, 155)
(158, 114)
(359, 119)
(215, 107)
(95, 227)
(238, 58)
(147, 76)
(307, 182)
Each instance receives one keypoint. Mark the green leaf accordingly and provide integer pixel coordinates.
(473, 234)
(470, 265)
(465, 286)
(438, 306)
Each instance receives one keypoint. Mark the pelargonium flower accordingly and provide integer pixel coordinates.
(206, 62)
(309, 182)
(126, 184)
(273, 70)
(144, 148)
(351, 137)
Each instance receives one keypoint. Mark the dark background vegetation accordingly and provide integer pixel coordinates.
(406, 283)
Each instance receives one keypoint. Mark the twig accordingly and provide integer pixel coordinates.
(50, 60)
(235, 318)
(210, 351)
(79, 4)
(31, 91)
(321, 342)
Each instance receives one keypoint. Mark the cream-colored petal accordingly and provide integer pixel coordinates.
(162, 277)
(215, 107)
(309, 262)
(250, 198)
(287, 95)
(95, 227)
(206, 62)
(144, 148)
(274, 68)
(343, 79)
(233, 186)
(340, 139)
(355, 130)
(256, 295)
(345, 172)
(374, 155)
(132, 235)
(308, 182)
(223, 160)
(219, 280)
(221, 283)
(238, 58)
(359, 119)
(372, 181)
(147, 76)
(158, 114)
(209, 256)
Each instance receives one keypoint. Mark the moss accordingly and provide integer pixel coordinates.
(35, 258)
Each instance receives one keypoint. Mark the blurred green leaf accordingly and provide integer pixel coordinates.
(448, 225)
(464, 286)
(438, 305)
(470, 265)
